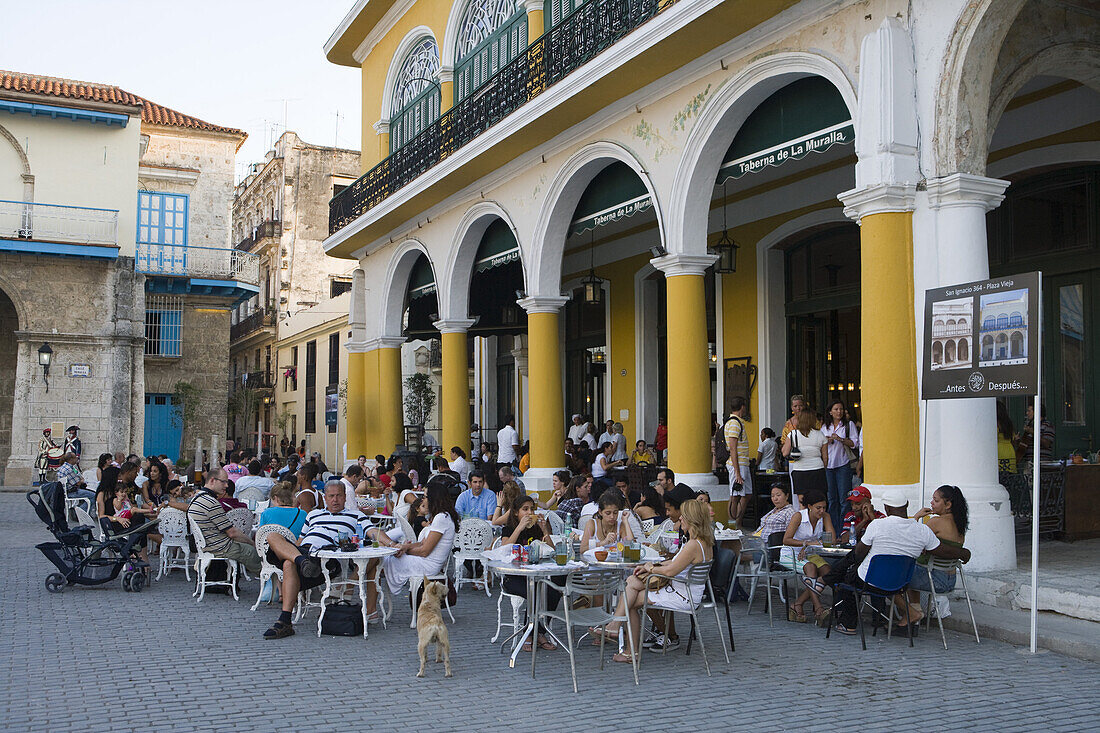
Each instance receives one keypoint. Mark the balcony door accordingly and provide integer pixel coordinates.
(162, 233)
(493, 32)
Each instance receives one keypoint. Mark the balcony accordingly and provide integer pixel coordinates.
(258, 380)
(591, 29)
(80, 225)
(197, 262)
(261, 318)
(270, 228)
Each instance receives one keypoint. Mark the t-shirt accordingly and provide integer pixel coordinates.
(506, 438)
(605, 437)
(769, 449)
(810, 445)
(587, 511)
(1006, 455)
(896, 536)
(590, 439)
(260, 483)
(620, 447)
(235, 471)
(290, 517)
(462, 468)
(851, 519)
(577, 432)
(838, 456)
(209, 515)
(735, 428)
(322, 527)
(444, 525)
(481, 506)
(349, 492)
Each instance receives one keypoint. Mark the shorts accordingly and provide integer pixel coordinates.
(942, 581)
(244, 554)
(746, 480)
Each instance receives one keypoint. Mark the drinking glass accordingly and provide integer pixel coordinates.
(826, 538)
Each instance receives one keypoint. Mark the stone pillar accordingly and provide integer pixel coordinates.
(962, 439)
(547, 402)
(382, 129)
(689, 403)
(390, 415)
(446, 89)
(455, 398)
(536, 21)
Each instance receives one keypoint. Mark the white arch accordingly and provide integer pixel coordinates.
(719, 122)
(398, 271)
(562, 197)
(450, 35)
(403, 48)
(454, 286)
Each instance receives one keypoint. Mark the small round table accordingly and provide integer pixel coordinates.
(532, 573)
(360, 557)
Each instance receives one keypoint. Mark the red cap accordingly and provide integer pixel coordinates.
(859, 493)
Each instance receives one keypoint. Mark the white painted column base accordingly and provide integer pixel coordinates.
(539, 479)
(707, 482)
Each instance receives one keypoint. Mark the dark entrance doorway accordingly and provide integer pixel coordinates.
(9, 324)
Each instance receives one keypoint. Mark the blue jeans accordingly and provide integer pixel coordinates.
(839, 480)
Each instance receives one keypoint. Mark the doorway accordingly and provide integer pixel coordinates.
(585, 357)
(163, 426)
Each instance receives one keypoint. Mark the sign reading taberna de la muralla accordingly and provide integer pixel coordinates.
(981, 339)
(842, 133)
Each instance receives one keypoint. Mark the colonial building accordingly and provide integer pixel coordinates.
(660, 205)
(280, 215)
(115, 265)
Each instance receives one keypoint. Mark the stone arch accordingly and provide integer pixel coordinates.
(454, 287)
(964, 350)
(561, 201)
(411, 39)
(949, 352)
(719, 122)
(24, 162)
(937, 352)
(9, 290)
(398, 271)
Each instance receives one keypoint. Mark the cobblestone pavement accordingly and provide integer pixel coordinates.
(93, 659)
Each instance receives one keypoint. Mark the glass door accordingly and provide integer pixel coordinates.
(1071, 355)
(806, 354)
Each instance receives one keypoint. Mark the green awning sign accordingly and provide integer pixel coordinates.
(498, 247)
(842, 133)
(611, 214)
(422, 280)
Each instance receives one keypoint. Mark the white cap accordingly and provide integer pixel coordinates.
(578, 416)
(895, 498)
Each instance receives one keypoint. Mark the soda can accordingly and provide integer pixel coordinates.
(517, 553)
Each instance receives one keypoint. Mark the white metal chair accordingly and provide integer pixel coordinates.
(85, 518)
(933, 598)
(516, 601)
(175, 552)
(606, 583)
(473, 538)
(697, 575)
(406, 527)
(250, 496)
(267, 570)
(244, 520)
(557, 524)
(90, 479)
(202, 563)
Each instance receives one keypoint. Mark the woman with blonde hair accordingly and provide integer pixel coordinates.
(677, 595)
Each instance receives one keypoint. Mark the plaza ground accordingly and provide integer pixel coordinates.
(93, 659)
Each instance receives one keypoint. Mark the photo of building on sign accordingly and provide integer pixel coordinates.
(1003, 333)
(952, 334)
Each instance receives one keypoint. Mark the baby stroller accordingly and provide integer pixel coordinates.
(80, 558)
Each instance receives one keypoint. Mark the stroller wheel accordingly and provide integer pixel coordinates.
(55, 582)
(127, 579)
(137, 582)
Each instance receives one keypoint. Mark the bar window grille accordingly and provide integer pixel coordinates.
(163, 325)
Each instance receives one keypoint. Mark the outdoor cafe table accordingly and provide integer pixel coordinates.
(532, 573)
(360, 557)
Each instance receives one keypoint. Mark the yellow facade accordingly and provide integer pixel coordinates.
(456, 391)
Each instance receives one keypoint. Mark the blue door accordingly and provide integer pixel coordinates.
(163, 428)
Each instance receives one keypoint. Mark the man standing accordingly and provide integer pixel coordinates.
(507, 442)
(578, 429)
(608, 434)
(738, 462)
(459, 465)
(221, 537)
(72, 443)
(42, 462)
(477, 501)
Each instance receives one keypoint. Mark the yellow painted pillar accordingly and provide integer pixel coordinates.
(535, 20)
(357, 403)
(455, 398)
(382, 129)
(391, 422)
(370, 403)
(546, 402)
(446, 91)
(689, 401)
(889, 398)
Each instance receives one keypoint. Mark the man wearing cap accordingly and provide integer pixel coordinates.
(894, 534)
(72, 443)
(578, 429)
(861, 514)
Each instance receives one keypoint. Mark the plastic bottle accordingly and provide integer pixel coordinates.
(852, 534)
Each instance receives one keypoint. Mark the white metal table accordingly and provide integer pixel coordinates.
(360, 557)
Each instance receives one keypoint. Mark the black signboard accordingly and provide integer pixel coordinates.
(331, 402)
(981, 339)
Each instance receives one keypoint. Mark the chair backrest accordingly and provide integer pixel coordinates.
(84, 518)
(473, 535)
(557, 524)
(942, 563)
(91, 479)
(594, 583)
(262, 534)
(722, 568)
(172, 526)
(262, 505)
(249, 495)
(775, 542)
(406, 527)
(750, 543)
(200, 541)
(890, 573)
(699, 573)
(241, 518)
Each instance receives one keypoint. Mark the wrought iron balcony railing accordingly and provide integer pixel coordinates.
(54, 223)
(576, 40)
(209, 262)
(260, 318)
(257, 380)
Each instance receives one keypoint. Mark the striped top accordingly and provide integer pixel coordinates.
(208, 513)
(322, 527)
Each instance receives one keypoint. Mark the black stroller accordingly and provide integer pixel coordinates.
(82, 559)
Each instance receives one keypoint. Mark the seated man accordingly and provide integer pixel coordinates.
(73, 482)
(222, 538)
(506, 474)
(300, 570)
(479, 500)
(255, 479)
(894, 534)
(861, 515)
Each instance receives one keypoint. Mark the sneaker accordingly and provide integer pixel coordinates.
(669, 645)
(842, 629)
(653, 640)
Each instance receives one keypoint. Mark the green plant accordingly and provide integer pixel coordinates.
(342, 396)
(282, 420)
(419, 399)
(185, 398)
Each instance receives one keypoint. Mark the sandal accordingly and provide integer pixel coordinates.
(823, 617)
(622, 658)
(814, 585)
(547, 645)
(279, 631)
(609, 635)
(796, 615)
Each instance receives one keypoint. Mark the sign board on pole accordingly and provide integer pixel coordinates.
(981, 339)
(331, 401)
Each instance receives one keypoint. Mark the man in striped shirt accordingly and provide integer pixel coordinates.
(221, 537)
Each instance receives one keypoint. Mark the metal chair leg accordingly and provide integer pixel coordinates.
(970, 606)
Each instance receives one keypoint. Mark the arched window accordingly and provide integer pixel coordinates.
(1016, 319)
(937, 352)
(1017, 340)
(492, 33)
(415, 103)
(989, 324)
(949, 352)
(1002, 321)
(964, 350)
(987, 348)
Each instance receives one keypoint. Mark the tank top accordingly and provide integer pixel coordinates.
(806, 531)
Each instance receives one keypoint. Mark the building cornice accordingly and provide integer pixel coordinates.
(683, 264)
(880, 198)
(965, 190)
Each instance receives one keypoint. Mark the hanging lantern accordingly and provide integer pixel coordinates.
(725, 248)
(593, 285)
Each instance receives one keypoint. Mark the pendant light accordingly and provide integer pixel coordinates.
(593, 285)
(725, 248)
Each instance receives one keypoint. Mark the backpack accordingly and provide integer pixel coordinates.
(722, 446)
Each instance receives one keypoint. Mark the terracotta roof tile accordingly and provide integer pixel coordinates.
(151, 112)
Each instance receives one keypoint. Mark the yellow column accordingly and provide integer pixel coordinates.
(382, 128)
(455, 400)
(357, 404)
(544, 386)
(888, 398)
(689, 405)
(390, 430)
(535, 20)
(446, 92)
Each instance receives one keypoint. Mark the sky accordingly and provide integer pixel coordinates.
(239, 63)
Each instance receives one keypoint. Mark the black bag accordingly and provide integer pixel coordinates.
(796, 452)
(342, 618)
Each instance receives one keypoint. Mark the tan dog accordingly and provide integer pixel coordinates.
(430, 627)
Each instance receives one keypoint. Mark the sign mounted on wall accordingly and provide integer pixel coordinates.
(981, 339)
(80, 370)
(331, 402)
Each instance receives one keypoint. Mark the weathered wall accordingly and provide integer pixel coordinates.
(9, 324)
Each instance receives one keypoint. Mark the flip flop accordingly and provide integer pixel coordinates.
(547, 645)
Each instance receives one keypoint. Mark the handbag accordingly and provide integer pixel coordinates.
(852, 457)
(655, 583)
(342, 618)
(796, 452)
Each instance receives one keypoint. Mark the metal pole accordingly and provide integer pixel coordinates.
(923, 452)
(1037, 432)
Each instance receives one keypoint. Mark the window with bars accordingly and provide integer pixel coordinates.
(334, 358)
(339, 287)
(415, 102)
(311, 387)
(162, 218)
(163, 325)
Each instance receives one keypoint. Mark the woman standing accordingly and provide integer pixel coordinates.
(805, 450)
(840, 438)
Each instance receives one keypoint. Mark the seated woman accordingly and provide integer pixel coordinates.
(115, 509)
(428, 554)
(228, 502)
(779, 518)
(525, 526)
(604, 527)
(804, 531)
(156, 488)
(372, 499)
(509, 492)
(948, 517)
(642, 455)
(559, 482)
(650, 510)
(603, 463)
(305, 496)
(175, 497)
(282, 510)
(677, 595)
(574, 498)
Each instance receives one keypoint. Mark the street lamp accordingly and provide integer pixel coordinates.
(593, 285)
(45, 356)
